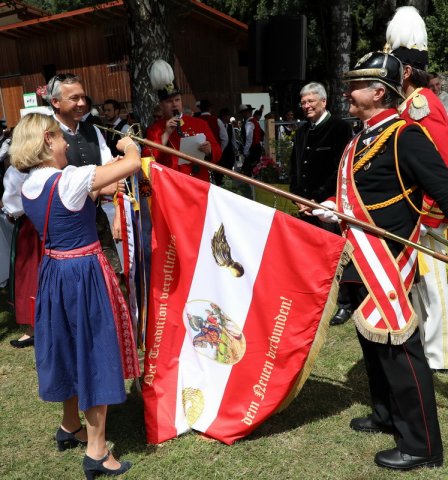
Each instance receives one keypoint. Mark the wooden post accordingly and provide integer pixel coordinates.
(269, 137)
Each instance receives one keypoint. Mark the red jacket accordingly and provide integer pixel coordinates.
(436, 123)
(190, 126)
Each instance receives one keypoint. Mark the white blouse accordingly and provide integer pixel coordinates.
(73, 187)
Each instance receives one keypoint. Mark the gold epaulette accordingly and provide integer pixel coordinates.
(419, 107)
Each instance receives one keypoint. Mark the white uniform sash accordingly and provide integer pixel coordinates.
(387, 309)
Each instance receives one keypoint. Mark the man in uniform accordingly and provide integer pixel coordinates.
(423, 106)
(382, 176)
(318, 146)
(174, 125)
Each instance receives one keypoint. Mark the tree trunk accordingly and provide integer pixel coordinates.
(420, 5)
(150, 39)
(340, 46)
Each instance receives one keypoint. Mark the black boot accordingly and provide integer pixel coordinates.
(341, 316)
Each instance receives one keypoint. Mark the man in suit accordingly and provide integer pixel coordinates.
(318, 145)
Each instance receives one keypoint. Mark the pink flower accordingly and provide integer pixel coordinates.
(42, 90)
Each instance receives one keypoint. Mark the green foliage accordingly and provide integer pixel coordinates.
(438, 36)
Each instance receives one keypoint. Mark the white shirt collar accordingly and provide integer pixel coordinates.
(322, 118)
(64, 127)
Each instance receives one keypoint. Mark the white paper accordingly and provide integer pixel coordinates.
(190, 146)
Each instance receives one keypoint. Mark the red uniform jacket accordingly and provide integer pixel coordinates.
(190, 126)
(436, 123)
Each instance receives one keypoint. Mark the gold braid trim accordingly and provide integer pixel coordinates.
(392, 200)
(405, 194)
(376, 145)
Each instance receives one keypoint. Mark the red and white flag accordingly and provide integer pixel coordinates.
(241, 296)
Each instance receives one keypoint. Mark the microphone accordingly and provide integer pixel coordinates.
(178, 127)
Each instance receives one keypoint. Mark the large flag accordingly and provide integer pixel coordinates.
(241, 296)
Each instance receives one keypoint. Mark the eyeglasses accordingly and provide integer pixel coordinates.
(308, 102)
(61, 77)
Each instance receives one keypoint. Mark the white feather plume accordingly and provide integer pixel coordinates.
(161, 74)
(407, 29)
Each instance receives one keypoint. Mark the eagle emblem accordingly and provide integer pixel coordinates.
(222, 254)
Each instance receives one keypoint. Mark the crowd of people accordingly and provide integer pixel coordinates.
(392, 174)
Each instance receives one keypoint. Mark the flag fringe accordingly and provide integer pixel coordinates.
(322, 329)
(382, 336)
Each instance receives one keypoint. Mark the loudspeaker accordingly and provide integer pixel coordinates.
(278, 49)
(257, 48)
(286, 49)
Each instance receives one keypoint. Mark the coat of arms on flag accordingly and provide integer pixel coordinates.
(241, 296)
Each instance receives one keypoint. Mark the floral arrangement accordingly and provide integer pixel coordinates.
(267, 170)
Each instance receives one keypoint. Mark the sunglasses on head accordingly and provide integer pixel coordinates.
(61, 77)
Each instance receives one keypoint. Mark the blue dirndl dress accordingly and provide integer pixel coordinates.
(76, 346)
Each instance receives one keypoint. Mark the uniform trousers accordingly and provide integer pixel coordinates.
(431, 304)
(401, 389)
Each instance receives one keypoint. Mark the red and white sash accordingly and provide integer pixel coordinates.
(387, 309)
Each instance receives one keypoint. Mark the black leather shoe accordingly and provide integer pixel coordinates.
(393, 458)
(366, 424)
(92, 467)
(341, 316)
(66, 440)
(28, 342)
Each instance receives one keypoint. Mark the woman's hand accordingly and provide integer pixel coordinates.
(124, 144)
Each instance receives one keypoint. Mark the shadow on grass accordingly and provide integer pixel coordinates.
(320, 397)
(7, 322)
(126, 428)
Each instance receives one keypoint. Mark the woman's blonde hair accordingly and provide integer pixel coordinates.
(28, 148)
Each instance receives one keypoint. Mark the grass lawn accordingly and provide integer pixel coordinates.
(309, 440)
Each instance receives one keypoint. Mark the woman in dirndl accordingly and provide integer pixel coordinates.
(84, 343)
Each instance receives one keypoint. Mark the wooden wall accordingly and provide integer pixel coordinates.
(97, 53)
(207, 56)
(207, 64)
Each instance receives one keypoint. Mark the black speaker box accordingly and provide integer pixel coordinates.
(277, 49)
(257, 48)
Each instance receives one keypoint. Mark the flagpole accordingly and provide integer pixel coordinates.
(380, 232)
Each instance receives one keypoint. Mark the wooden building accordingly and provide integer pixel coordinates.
(93, 43)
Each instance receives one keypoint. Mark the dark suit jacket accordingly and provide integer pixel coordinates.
(315, 158)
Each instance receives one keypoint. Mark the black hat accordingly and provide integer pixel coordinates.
(245, 107)
(161, 76)
(380, 67)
